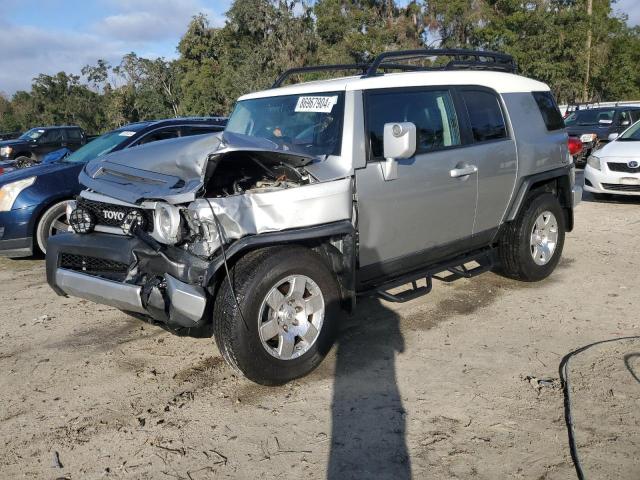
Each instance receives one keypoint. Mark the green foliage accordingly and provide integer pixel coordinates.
(262, 38)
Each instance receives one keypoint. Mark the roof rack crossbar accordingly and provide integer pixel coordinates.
(461, 59)
(360, 67)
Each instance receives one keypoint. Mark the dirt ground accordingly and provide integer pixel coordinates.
(462, 383)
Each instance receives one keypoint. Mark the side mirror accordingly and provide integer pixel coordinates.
(613, 136)
(625, 123)
(399, 142)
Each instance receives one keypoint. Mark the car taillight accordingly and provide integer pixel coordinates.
(1, 170)
(575, 146)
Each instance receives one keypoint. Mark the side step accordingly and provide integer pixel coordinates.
(445, 272)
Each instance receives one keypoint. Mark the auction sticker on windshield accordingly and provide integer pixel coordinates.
(316, 104)
(127, 133)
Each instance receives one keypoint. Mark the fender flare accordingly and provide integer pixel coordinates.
(562, 175)
(342, 230)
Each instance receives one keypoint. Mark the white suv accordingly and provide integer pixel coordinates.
(321, 192)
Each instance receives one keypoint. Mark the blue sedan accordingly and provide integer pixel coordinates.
(33, 200)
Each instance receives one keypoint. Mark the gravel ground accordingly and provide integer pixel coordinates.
(462, 383)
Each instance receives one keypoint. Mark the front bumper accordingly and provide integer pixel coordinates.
(16, 232)
(156, 284)
(115, 294)
(606, 181)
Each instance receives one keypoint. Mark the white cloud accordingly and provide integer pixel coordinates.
(147, 20)
(28, 51)
(631, 8)
(149, 27)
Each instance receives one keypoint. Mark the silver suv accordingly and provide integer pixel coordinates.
(320, 192)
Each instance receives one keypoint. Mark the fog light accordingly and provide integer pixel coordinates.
(82, 221)
(133, 220)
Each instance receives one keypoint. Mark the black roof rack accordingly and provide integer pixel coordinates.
(460, 60)
(361, 67)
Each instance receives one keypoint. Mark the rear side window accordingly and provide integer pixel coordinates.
(199, 130)
(549, 110)
(485, 115)
(624, 119)
(53, 135)
(432, 112)
(74, 134)
(162, 134)
(635, 115)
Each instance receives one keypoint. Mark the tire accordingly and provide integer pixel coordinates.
(53, 221)
(518, 245)
(254, 277)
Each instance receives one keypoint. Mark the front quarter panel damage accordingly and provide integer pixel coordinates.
(256, 213)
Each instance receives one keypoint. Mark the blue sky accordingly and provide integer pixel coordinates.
(47, 36)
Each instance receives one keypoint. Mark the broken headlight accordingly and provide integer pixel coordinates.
(205, 238)
(167, 223)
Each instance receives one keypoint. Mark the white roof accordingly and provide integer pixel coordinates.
(498, 81)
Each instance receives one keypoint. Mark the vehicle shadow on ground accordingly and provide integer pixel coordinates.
(615, 199)
(368, 418)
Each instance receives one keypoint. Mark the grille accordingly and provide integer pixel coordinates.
(92, 265)
(113, 215)
(621, 188)
(622, 167)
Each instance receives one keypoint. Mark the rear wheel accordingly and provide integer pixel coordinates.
(531, 245)
(53, 221)
(289, 307)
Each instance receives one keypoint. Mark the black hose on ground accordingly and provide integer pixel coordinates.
(564, 378)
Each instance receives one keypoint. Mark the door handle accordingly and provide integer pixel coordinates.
(463, 171)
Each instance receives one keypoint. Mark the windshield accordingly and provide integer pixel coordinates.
(100, 146)
(309, 124)
(632, 134)
(590, 117)
(33, 134)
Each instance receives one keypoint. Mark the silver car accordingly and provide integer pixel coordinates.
(319, 193)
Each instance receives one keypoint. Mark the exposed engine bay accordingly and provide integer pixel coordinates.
(198, 194)
(250, 193)
(242, 172)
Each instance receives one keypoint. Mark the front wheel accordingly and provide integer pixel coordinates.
(531, 246)
(53, 221)
(289, 306)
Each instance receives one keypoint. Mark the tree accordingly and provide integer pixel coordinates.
(356, 31)
(262, 38)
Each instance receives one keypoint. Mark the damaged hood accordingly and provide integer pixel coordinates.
(167, 168)
(174, 170)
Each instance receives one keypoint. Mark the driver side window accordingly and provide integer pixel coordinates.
(432, 112)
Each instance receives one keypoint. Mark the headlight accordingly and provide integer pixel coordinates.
(594, 162)
(10, 191)
(6, 151)
(167, 223)
(588, 137)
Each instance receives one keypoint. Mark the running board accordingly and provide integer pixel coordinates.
(454, 270)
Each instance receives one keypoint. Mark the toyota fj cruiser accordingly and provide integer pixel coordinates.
(320, 192)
